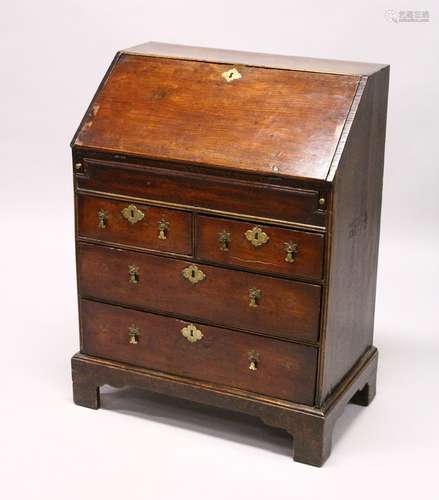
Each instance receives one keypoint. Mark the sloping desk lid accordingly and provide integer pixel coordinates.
(235, 116)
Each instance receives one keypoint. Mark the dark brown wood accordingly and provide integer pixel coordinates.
(86, 394)
(311, 428)
(286, 308)
(143, 234)
(295, 147)
(284, 370)
(365, 396)
(200, 191)
(270, 257)
(286, 122)
(355, 217)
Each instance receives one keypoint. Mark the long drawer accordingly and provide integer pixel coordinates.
(234, 299)
(208, 192)
(273, 367)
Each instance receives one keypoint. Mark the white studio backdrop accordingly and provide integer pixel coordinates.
(54, 54)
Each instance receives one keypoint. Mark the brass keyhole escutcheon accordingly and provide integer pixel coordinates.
(291, 250)
(132, 214)
(163, 227)
(253, 358)
(193, 274)
(133, 334)
(224, 239)
(256, 236)
(133, 273)
(254, 296)
(231, 74)
(191, 333)
(102, 218)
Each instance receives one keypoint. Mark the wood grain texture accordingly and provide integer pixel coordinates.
(225, 194)
(144, 233)
(355, 237)
(294, 63)
(286, 309)
(269, 257)
(284, 370)
(286, 122)
(297, 150)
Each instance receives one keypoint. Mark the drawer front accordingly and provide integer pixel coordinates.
(204, 191)
(234, 299)
(260, 248)
(272, 367)
(135, 224)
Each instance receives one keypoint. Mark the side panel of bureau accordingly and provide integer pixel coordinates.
(355, 235)
(283, 369)
(284, 308)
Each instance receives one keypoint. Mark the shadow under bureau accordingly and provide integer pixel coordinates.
(227, 225)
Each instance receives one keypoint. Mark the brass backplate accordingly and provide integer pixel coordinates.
(231, 74)
(132, 214)
(256, 236)
(193, 274)
(191, 333)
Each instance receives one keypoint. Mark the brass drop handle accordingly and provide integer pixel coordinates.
(191, 333)
(224, 239)
(102, 219)
(254, 296)
(132, 214)
(253, 358)
(256, 236)
(193, 274)
(163, 227)
(133, 274)
(291, 250)
(133, 334)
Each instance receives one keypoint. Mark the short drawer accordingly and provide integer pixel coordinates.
(273, 367)
(225, 297)
(134, 224)
(258, 247)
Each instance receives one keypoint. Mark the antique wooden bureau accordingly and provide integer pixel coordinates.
(227, 226)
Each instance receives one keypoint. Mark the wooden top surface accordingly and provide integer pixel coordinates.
(269, 121)
(157, 49)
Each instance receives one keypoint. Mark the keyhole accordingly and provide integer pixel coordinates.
(132, 213)
(256, 236)
(193, 273)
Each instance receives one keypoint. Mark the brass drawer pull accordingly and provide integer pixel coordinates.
(193, 274)
(102, 218)
(254, 296)
(133, 273)
(132, 214)
(256, 236)
(291, 250)
(191, 333)
(253, 358)
(163, 226)
(224, 239)
(133, 334)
